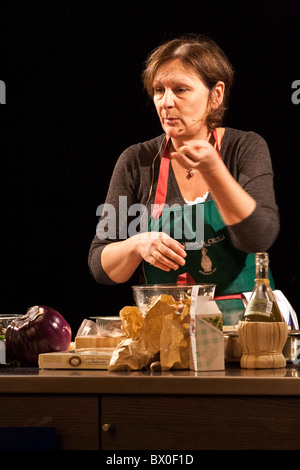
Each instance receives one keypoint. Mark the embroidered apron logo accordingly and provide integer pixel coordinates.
(206, 263)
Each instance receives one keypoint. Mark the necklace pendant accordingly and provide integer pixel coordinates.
(190, 173)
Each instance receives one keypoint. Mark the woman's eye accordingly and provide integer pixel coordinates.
(160, 90)
(181, 90)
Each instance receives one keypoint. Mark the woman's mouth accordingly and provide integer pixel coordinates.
(170, 120)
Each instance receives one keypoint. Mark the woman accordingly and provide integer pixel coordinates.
(196, 169)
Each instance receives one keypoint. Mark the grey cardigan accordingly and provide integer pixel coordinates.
(245, 154)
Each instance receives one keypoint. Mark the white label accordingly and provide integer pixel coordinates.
(261, 307)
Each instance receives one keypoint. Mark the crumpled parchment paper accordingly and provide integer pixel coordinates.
(164, 330)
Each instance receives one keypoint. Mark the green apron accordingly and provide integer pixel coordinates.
(211, 260)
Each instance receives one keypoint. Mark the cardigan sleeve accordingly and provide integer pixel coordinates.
(253, 170)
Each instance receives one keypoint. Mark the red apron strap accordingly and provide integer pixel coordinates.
(162, 183)
(230, 296)
(214, 131)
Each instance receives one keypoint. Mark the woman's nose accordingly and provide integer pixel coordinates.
(168, 99)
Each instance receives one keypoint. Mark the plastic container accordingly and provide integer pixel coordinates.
(5, 320)
(109, 326)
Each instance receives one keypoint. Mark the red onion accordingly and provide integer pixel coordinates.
(41, 330)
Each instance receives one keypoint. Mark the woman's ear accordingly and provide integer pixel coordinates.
(217, 95)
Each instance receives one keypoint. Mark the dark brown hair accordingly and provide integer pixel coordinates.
(204, 56)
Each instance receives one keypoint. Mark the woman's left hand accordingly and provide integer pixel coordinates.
(199, 154)
(233, 202)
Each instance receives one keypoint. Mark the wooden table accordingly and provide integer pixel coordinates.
(90, 409)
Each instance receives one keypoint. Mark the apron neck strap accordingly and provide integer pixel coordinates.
(214, 132)
(162, 183)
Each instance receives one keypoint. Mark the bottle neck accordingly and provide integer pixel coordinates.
(262, 268)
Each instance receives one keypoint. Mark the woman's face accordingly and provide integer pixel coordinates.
(182, 101)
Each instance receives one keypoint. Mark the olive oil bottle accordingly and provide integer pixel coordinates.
(262, 305)
(262, 330)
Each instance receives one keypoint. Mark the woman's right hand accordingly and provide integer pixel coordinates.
(160, 250)
(120, 259)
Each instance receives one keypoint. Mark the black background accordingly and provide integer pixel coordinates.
(75, 101)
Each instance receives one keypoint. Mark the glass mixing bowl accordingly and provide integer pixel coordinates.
(145, 295)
